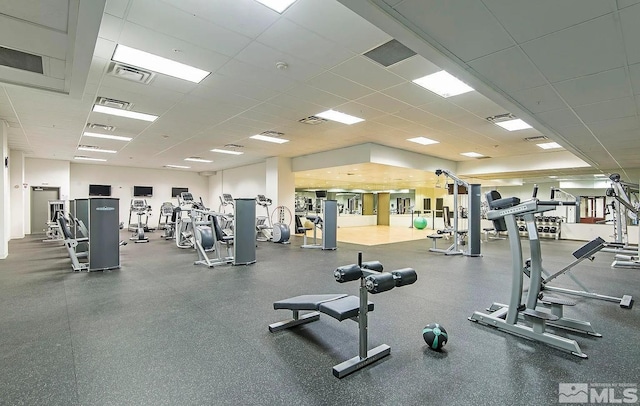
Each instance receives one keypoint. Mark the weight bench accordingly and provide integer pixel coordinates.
(338, 306)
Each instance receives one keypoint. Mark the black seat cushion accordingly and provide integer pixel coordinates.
(344, 308)
(306, 302)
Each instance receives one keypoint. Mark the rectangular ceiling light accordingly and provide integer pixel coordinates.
(177, 166)
(277, 5)
(86, 158)
(226, 151)
(423, 140)
(339, 117)
(124, 113)
(90, 149)
(444, 84)
(513, 125)
(472, 154)
(269, 139)
(549, 145)
(158, 64)
(599, 175)
(198, 160)
(107, 136)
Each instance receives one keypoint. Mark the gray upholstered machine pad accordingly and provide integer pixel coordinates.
(344, 308)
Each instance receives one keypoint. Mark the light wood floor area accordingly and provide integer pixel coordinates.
(376, 235)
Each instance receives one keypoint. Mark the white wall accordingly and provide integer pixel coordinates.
(45, 172)
(18, 193)
(123, 179)
(245, 181)
(5, 212)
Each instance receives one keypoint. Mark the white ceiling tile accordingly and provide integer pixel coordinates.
(290, 38)
(246, 17)
(333, 21)
(104, 49)
(359, 110)
(610, 127)
(617, 108)
(316, 96)
(383, 102)
(602, 86)
(444, 109)
(411, 94)
(339, 86)
(413, 68)
(116, 7)
(626, 3)
(509, 69)
(440, 19)
(171, 21)
(559, 118)
(110, 27)
(634, 74)
(251, 75)
(629, 18)
(304, 107)
(163, 45)
(368, 73)
(526, 20)
(539, 99)
(264, 57)
(418, 116)
(583, 49)
(228, 85)
(477, 104)
(211, 95)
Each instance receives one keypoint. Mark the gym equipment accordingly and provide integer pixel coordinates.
(435, 336)
(211, 238)
(244, 237)
(625, 203)
(587, 251)
(341, 307)
(141, 208)
(167, 220)
(281, 232)
(472, 214)
(328, 225)
(55, 208)
(100, 246)
(507, 318)
(264, 228)
(184, 227)
(420, 222)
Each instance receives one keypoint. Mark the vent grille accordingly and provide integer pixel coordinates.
(312, 120)
(501, 117)
(233, 146)
(272, 134)
(117, 104)
(101, 126)
(130, 73)
(20, 60)
(536, 138)
(88, 146)
(390, 53)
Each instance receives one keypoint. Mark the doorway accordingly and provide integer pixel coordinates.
(40, 197)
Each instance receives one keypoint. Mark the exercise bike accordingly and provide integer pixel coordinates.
(140, 208)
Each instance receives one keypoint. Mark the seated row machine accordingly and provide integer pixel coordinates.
(341, 307)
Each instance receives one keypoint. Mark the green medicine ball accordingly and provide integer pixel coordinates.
(435, 336)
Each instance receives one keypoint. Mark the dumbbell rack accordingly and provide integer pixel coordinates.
(547, 226)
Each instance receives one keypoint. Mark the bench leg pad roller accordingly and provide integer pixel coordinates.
(351, 365)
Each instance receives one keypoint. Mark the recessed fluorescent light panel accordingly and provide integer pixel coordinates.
(124, 113)
(269, 139)
(177, 166)
(444, 84)
(277, 5)
(549, 145)
(158, 64)
(598, 175)
(86, 158)
(472, 154)
(107, 136)
(422, 140)
(198, 160)
(513, 125)
(108, 151)
(226, 151)
(339, 117)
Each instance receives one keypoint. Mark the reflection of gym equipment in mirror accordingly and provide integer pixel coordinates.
(627, 208)
(469, 211)
(327, 223)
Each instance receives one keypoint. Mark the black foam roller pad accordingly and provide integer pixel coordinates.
(347, 273)
(380, 283)
(373, 265)
(405, 276)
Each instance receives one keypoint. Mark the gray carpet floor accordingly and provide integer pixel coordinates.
(161, 331)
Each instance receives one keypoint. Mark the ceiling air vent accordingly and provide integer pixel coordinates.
(130, 73)
(20, 60)
(88, 146)
(312, 120)
(272, 134)
(536, 138)
(116, 104)
(233, 146)
(101, 126)
(389, 53)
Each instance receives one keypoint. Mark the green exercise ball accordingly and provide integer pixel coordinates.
(435, 336)
(420, 223)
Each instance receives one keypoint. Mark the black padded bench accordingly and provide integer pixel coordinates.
(339, 306)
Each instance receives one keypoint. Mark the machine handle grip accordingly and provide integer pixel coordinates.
(553, 192)
(535, 191)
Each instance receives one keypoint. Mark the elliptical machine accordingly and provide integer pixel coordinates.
(140, 208)
(264, 228)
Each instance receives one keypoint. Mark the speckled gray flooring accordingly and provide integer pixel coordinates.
(161, 331)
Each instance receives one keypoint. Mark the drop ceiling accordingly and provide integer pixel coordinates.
(584, 98)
